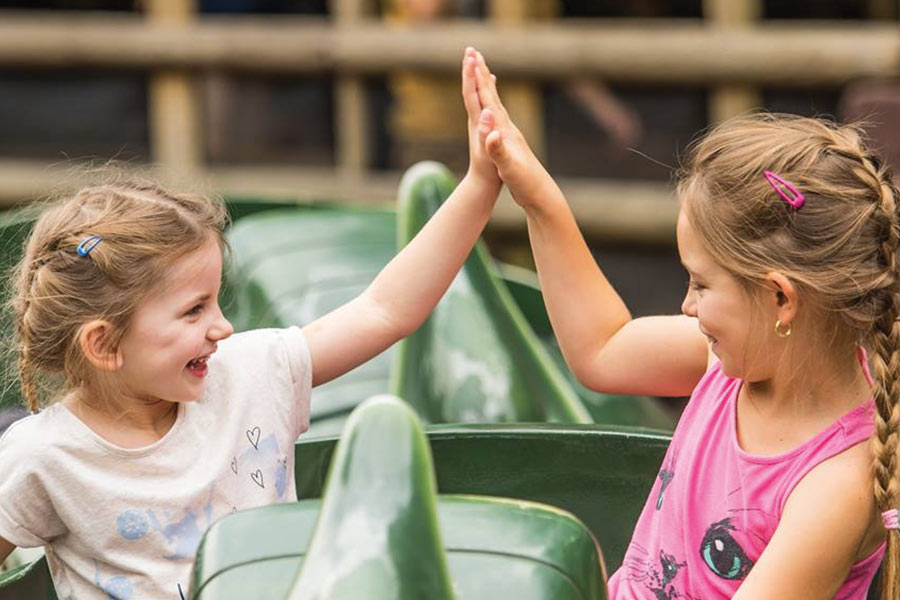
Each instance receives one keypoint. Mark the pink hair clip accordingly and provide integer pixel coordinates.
(891, 519)
(786, 190)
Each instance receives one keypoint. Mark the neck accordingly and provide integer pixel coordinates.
(130, 419)
(827, 387)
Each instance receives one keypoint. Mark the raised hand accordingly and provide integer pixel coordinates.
(516, 164)
(481, 167)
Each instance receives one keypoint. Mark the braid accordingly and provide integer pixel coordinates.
(886, 363)
(28, 382)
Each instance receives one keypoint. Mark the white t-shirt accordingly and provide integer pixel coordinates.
(125, 523)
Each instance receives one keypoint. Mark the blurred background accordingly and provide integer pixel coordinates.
(332, 99)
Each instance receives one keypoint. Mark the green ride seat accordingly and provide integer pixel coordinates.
(600, 474)
(381, 532)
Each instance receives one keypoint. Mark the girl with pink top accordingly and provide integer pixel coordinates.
(781, 478)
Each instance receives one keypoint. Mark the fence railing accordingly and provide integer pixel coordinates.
(726, 52)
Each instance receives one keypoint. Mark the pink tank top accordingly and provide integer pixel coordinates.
(714, 507)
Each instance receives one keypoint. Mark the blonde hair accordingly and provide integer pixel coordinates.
(55, 291)
(840, 248)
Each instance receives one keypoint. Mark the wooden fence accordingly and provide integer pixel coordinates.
(729, 51)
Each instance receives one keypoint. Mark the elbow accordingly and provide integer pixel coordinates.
(394, 320)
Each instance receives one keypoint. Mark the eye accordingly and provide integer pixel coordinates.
(722, 554)
(194, 310)
(698, 287)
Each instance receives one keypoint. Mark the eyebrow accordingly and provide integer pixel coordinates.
(198, 300)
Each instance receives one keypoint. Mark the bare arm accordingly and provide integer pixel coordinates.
(406, 291)
(606, 350)
(829, 523)
(6, 549)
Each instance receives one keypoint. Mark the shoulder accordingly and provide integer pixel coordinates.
(263, 355)
(839, 490)
(829, 524)
(33, 441)
(280, 347)
(32, 433)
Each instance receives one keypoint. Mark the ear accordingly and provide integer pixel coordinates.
(94, 341)
(782, 293)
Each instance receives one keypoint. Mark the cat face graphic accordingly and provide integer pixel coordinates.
(722, 553)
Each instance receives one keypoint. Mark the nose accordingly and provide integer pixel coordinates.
(221, 328)
(689, 304)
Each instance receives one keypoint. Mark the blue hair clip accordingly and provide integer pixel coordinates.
(88, 244)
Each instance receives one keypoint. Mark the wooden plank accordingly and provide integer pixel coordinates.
(522, 98)
(175, 137)
(626, 211)
(680, 53)
(351, 110)
(726, 101)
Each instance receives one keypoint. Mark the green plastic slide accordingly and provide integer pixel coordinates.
(382, 533)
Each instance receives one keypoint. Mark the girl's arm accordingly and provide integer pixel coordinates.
(605, 349)
(6, 549)
(829, 523)
(406, 291)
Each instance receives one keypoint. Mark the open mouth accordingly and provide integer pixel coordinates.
(198, 367)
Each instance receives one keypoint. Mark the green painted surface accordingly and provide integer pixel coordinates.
(381, 532)
(476, 358)
(377, 534)
(600, 474)
(495, 548)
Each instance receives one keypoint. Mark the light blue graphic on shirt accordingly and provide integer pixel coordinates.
(263, 463)
(117, 587)
(183, 530)
(132, 525)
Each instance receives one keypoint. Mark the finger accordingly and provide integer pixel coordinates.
(469, 89)
(494, 145)
(487, 89)
(485, 125)
(485, 94)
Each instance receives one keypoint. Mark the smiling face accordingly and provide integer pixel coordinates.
(731, 318)
(175, 330)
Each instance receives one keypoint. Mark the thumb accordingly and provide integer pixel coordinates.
(494, 145)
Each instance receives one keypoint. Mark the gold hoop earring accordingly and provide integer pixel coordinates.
(782, 333)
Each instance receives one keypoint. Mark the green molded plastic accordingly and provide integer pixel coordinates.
(476, 358)
(296, 263)
(600, 474)
(491, 544)
(28, 582)
(378, 534)
(609, 409)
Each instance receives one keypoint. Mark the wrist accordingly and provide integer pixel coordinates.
(540, 199)
(488, 182)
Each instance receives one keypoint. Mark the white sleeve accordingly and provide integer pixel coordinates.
(27, 514)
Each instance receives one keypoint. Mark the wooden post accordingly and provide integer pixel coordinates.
(351, 113)
(733, 99)
(522, 99)
(175, 138)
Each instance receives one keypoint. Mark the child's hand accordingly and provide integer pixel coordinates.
(517, 165)
(481, 167)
